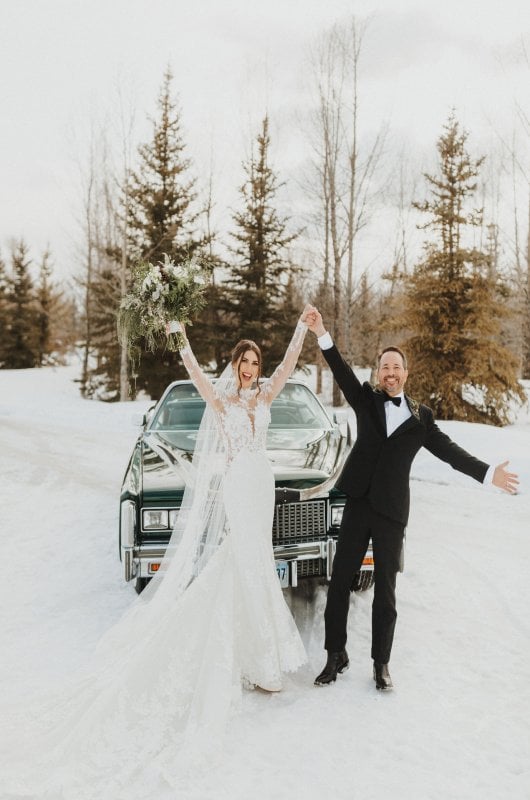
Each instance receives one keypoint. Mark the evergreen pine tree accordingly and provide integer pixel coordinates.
(20, 348)
(161, 193)
(45, 297)
(159, 217)
(258, 298)
(454, 302)
(162, 220)
(104, 381)
(55, 318)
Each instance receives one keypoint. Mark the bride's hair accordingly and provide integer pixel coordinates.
(241, 348)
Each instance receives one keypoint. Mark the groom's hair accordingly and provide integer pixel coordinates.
(392, 349)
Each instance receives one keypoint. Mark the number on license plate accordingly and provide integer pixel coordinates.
(282, 568)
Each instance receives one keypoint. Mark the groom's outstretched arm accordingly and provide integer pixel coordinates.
(342, 372)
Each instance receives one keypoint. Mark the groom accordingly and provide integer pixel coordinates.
(391, 428)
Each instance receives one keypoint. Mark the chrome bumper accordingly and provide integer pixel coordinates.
(138, 561)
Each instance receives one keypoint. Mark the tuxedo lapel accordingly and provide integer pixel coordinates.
(380, 407)
(413, 407)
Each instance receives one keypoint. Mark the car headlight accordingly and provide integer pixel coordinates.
(336, 516)
(155, 519)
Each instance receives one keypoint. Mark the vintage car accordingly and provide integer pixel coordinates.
(306, 450)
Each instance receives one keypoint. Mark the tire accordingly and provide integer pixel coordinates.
(362, 581)
(140, 584)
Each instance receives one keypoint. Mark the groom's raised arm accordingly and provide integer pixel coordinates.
(342, 372)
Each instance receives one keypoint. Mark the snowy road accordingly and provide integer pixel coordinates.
(458, 723)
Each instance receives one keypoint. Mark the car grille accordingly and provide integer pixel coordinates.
(310, 567)
(299, 522)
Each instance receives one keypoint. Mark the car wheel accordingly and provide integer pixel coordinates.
(140, 584)
(362, 581)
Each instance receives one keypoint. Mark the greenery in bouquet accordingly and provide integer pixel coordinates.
(160, 293)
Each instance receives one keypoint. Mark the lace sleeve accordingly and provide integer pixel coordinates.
(279, 377)
(203, 384)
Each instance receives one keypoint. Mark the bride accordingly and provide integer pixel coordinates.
(167, 677)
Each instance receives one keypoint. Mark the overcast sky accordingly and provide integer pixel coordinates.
(61, 62)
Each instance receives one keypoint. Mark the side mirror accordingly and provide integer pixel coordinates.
(138, 420)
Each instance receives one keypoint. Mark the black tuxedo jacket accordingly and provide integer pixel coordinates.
(378, 466)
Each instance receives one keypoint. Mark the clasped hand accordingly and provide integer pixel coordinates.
(313, 319)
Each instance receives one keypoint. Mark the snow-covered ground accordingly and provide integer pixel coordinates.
(457, 725)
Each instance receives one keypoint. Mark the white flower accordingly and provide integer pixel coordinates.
(168, 263)
(173, 269)
(154, 271)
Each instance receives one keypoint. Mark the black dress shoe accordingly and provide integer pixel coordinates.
(382, 677)
(337, 663)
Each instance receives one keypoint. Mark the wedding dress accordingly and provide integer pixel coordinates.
(168, 676)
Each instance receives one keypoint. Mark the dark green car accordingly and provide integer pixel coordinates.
(306, 450)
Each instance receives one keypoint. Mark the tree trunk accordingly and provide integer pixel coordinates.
(124, 374)
(88, 286)
(526, 311)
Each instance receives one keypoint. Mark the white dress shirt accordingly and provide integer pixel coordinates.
(396, 415)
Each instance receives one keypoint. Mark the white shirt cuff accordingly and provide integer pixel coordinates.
(488, 477)
(325, 341)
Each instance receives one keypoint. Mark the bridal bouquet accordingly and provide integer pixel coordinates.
(161, 293)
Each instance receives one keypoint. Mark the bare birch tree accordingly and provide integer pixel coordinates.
(126, 122)
(524, 117)
(88, 224)
(518, 242)
(344, 167)
(100, 252)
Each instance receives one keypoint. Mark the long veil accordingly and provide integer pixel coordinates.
(146, 697)
(200, 526)
(201, 522)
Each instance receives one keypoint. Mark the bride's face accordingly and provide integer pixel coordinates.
(248, 369)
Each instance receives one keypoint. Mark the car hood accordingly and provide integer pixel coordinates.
(300, 458)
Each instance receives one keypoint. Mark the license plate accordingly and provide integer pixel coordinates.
(282, 568)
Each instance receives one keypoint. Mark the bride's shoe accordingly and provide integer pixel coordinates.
(269, 689)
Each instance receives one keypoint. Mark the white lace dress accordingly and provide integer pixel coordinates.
(266, 641)
(168, 676)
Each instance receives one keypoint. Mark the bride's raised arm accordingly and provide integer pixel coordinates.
(283, 371)
(203, 384)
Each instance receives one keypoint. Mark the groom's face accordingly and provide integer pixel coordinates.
(391, 374)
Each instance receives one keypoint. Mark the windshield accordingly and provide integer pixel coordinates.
(295, 407)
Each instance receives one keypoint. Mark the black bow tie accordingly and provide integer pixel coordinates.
(395, 400)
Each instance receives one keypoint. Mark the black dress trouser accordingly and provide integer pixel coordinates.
(359, 523)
